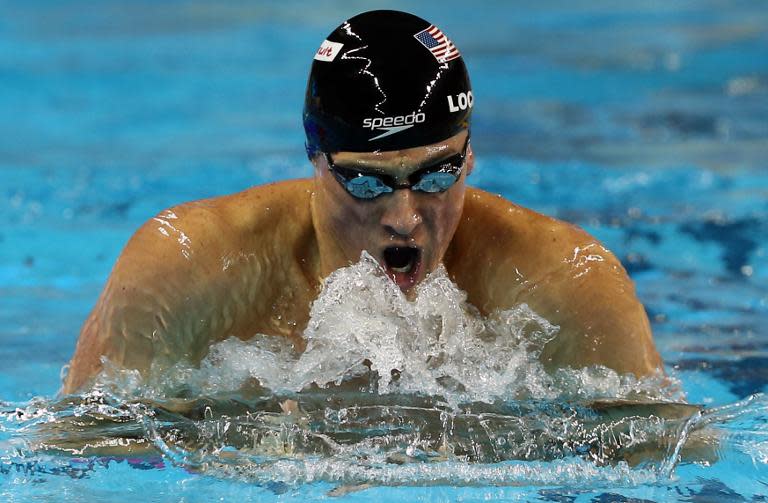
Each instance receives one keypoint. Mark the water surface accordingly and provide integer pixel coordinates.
(643, 123)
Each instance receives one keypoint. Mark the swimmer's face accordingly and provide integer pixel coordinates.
(407, 231)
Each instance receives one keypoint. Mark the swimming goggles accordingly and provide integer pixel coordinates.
(437, 177)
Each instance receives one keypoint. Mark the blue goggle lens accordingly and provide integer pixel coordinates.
(435, 182)
(366, 187)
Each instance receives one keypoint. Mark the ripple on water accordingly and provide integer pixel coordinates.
(389, 391)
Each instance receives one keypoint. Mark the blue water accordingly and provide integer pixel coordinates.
(644, 123)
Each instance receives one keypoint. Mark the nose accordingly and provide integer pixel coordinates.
(401, 216)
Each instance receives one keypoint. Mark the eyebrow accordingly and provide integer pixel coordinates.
(428, 168)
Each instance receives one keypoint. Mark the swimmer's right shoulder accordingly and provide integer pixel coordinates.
(195, 273)
(234, 220)
(281, 205)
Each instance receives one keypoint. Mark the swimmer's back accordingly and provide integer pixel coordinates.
(503, 254)
(199, 272)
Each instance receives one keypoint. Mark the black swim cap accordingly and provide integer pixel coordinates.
(385, 80)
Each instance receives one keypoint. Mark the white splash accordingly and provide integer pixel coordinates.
(436, 345)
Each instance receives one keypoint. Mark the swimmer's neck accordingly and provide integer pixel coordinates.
(330, 255)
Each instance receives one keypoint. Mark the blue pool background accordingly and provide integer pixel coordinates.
(644, 122)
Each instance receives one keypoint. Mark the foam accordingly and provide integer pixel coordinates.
(437, 345)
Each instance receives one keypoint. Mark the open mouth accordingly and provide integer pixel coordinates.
(402, 264)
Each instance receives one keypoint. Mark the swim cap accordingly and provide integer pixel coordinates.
(385, 80)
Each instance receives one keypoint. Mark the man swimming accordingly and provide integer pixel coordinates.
(387, 118)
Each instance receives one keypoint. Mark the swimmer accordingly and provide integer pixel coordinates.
(387, 120)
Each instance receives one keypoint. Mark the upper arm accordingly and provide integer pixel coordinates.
(602, 321)
(150, 308)
(198, 273)
(564, 275)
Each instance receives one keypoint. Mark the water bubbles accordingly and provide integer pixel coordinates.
(364, 332)
(388, 391)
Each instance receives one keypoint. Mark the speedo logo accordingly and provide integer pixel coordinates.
(392, 125)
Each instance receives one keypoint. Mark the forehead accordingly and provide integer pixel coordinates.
(402, 162)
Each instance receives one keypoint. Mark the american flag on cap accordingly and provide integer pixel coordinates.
(438, 44)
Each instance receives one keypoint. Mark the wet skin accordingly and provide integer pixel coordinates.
(253, 262)
(347, 226)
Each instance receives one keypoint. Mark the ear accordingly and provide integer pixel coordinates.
(470, 159)
(319, 163)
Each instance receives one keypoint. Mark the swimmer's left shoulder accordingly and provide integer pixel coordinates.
(504, 235)
(505, 220)
(504, 255)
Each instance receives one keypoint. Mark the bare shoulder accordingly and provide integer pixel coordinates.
(503, 236)
(260, 207)
(504, 255)
(204, 234)
(195, 273)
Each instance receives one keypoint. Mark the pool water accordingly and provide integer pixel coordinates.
(643, 123)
